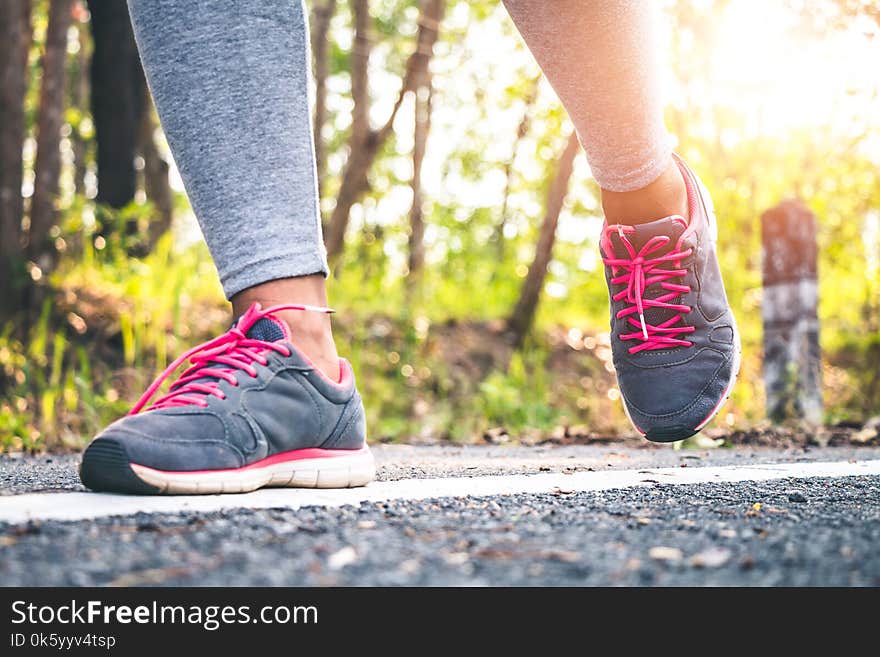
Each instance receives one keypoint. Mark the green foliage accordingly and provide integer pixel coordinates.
(431, 361)
(517, 399)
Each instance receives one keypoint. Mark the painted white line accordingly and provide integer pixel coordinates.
(79, 506)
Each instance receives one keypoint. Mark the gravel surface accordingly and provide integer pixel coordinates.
(59, 472)
(798, 532)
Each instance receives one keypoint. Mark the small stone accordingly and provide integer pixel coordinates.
(410, 566)
(342, 558)
(663, 553)
(796, 496)
(456, 558)
(711, 558)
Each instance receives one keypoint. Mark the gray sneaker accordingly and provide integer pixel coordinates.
(673, 335)
(251, 411)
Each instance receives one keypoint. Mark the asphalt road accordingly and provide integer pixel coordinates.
(817, 531)
(58, 473)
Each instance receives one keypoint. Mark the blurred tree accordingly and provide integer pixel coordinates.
(322, 14)
(47, 170)
(15, 40)
(156, 185)
(521, 131)
(118, 92)
(80, 85)
(520, 320)
(422, 125)
(423, 92)
(125, 126)
(366, 142)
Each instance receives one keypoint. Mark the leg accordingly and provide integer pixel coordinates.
(230, 82)
(675, 367)
(600, 56)
(253, 409)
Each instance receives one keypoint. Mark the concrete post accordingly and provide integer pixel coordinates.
(792, 360)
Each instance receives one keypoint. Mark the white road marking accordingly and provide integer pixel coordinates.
(80, 506)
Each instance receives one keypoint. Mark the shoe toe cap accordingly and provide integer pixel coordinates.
(163, 441)
(106, 467)
(669, 403)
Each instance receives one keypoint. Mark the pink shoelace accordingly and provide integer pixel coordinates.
(233, 349)
(639, 272)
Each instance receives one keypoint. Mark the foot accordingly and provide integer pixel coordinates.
(314, 336)
(251, 411)
(673, 335)
(663, 197)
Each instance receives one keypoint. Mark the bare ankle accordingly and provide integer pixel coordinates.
(664, 197)
(311, 332)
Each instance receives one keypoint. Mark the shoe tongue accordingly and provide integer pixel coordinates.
(267, 329)
(672, 227)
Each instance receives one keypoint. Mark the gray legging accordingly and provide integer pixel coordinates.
(230, 82)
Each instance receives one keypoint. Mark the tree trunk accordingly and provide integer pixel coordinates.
(365, 143)
(117, 101)
(521, 131)
(321, 17)
(360, 80)
(80, 96)
(354, 175)
(520, 320)
(15, 40)
(422, 110)
(156, 184)
(50, 118)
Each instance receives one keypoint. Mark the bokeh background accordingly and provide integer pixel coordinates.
(433, 213)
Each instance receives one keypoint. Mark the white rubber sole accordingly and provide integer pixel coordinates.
(338, 469)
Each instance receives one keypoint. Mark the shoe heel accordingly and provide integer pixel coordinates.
(352, 471)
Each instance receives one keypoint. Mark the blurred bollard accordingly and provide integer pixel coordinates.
(792, 360)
